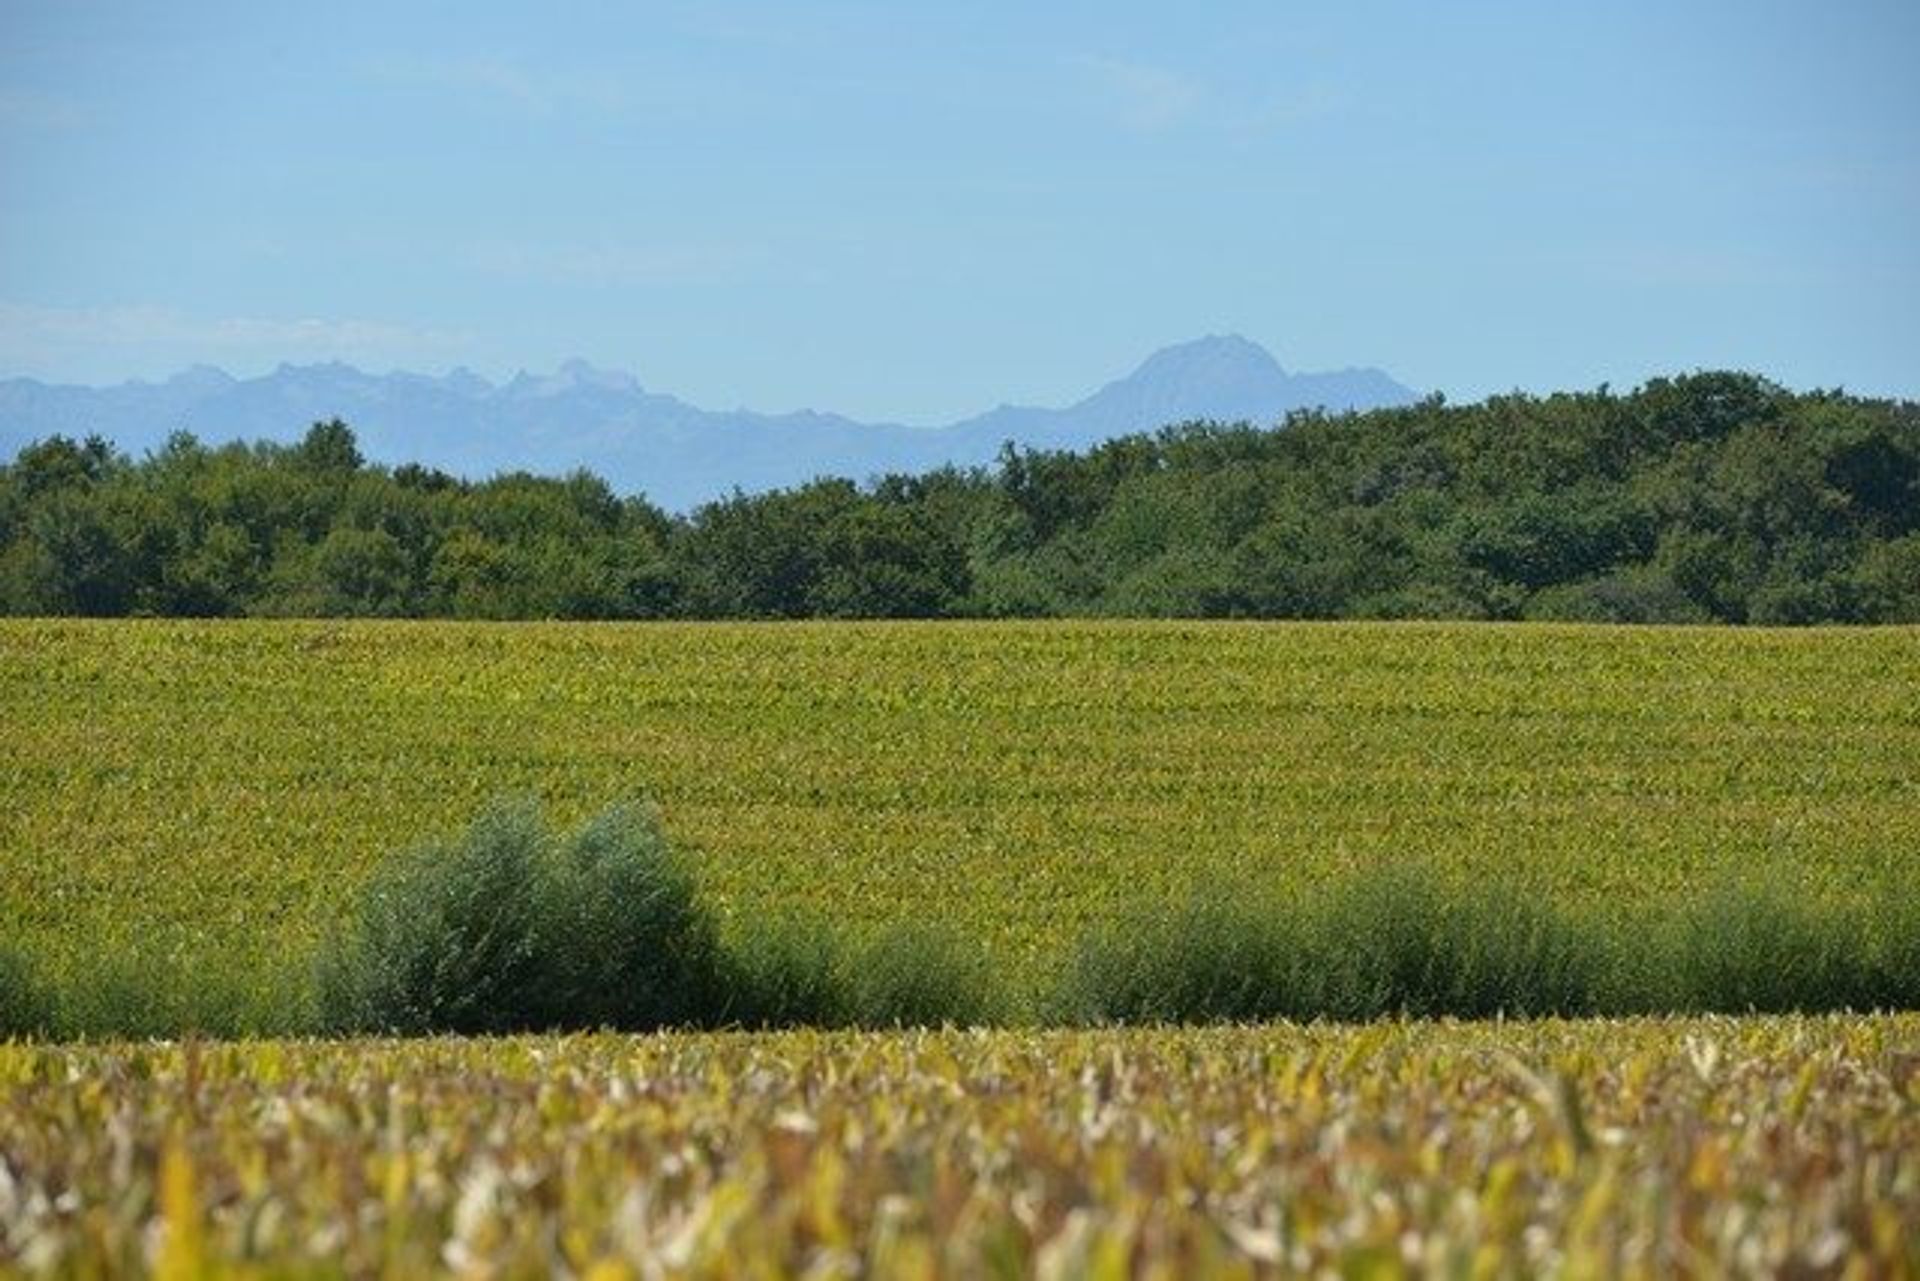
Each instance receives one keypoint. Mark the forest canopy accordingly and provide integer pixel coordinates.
(1708, 497)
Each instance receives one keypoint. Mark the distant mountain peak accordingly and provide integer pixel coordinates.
(1222, 376)
(581, 373)
(1211, 355)
(677, 454)
(465, 382)
(572, 376)
(201, 378)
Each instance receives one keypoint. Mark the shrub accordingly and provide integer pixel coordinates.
(1214, 959)
(785, 972)
(448, 937)
(627, 941)
(509, 927)
(1749, 948)
(916, 975)
(24, 1007)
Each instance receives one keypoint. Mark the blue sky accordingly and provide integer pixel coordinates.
(911, 212)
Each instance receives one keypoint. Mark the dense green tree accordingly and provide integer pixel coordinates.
(1708, 497)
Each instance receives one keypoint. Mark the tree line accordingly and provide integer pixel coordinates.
(1708, 497)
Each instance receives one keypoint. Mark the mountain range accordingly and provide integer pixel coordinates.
(642, 441)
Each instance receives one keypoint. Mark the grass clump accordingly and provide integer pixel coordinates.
(792, 971)
(153, 992)
(510, 927)
(787, 972)
(923, 975)
(1748, 947)
(25, 1006)
(1896, 950)
(1401, 941)
(1214, 959)
(1396, 941)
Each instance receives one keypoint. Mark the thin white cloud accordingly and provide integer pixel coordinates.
(507, 80)
(1146, 98)
(32, 109)
(614, 265)
(1310, 102)
(90, 342)
(1142, 96)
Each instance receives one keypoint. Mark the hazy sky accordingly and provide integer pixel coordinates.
(908, 214)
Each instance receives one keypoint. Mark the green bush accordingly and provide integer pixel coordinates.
(785, 972)
(916, 975)
(1750, 948)
(448, 937)
(24, 1007)
(1215, 959)
(509, 928)
(1395, 941)
(628, 943)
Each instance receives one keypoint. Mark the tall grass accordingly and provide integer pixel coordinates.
(510, 926)
(156, 990)
(1213, 958)
(25, 1008)
(1896, 950)
(1752, 947)
(785, 972)
(1399, 941)
(924, 975)
(795, 972)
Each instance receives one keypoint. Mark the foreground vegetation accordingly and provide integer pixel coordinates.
(1698, 1147)
(513, 927)
(1712, 497)
(195, 806)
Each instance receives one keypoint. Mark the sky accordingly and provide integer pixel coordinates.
(912, 213)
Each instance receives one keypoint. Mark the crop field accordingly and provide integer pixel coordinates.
(201, 791)
(1699, 1147)
(224, 786)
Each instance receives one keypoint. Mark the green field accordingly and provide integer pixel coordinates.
(225, 785)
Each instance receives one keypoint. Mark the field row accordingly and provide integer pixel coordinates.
(1695, 1147)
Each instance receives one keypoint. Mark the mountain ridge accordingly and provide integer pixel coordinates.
(641, 440)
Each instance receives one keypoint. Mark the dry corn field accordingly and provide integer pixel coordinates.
(1701, 1147)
